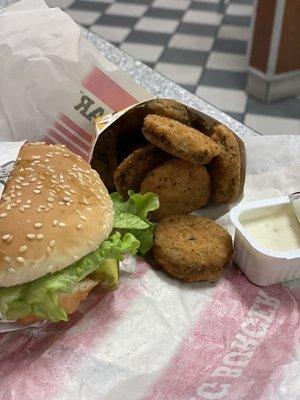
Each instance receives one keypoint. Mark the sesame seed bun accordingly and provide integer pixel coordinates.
(54, 210)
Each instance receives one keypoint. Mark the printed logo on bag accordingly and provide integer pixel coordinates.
(5, 171)
(86, 109)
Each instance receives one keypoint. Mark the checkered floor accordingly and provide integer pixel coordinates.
(200, 44)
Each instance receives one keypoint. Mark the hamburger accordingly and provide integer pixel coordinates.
(62, 234)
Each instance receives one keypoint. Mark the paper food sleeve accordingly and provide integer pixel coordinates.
(120, 133)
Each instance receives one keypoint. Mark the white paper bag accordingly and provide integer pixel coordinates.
(53, 81)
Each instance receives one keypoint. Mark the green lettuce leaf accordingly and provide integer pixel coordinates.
(40, 297)
(132, 216)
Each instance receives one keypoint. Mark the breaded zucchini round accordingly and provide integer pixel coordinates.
(133, 169)
(225, 169)
(179, 140)
(169, 108)
(181, 187)
(192, 248)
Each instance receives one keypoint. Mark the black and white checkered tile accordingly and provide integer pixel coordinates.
(200, 44)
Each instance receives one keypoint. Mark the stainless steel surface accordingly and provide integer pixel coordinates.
(156, 83)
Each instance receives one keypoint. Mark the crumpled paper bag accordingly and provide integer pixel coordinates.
(53, 82)
(156, 338)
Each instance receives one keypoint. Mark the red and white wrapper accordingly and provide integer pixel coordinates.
(155, 338)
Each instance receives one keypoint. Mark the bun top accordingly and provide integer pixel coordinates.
(54, 210)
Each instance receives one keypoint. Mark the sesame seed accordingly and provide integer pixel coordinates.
(6, 236)
(23, 248)
(18, 181)
(65, 198)
(79, 226)
(46, 160)
(61, 203)
(72, 191)
(20, 259)
(30, 236)
(75, 257)
(18, 187)
(26, 206)
(36, 157)
(19, 194)
(18, 201)
(50, 199)
(62, 225)
(83, 218)
(38, 225)
(39, 186)
(50, 268)
(28, 201)
(2, 215)
(89, 242)
(69, 203)
(7, 259)
(11, 270)
(55, 222)
(21, 178)
(22, 209)
(67, 193)
(36, 191)
(25, 184)
(32, 179)
(48, 250)
(47, 209)
(52, 243)
(40, 236)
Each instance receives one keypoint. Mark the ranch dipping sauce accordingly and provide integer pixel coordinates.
(274, 228)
